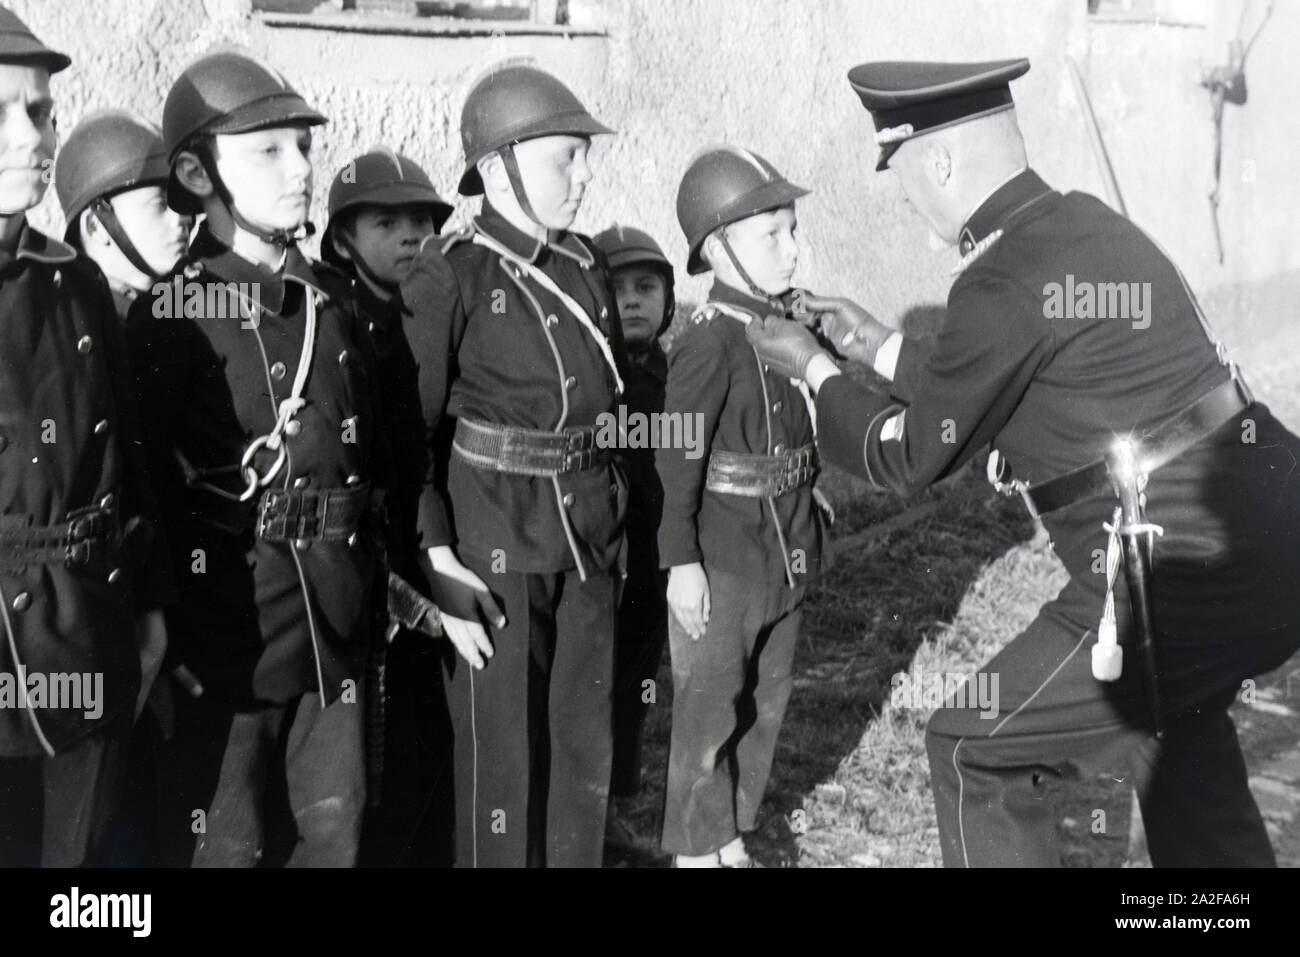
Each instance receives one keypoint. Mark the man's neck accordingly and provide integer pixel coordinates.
(383, 294)
(11, 227)
(737, 286)
(255, 250)
(988, 194)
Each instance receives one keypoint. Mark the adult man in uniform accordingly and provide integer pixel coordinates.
(1134, 400)
(519, 353)
(73, 490)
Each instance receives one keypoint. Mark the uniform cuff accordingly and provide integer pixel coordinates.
(886, 361)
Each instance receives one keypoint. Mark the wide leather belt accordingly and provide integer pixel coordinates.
(761, 476)
(1160, 445)
(504, 448)
(331, 514)
(89, 534)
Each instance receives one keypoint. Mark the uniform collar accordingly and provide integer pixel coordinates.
(219, 259)
(1019, 193)
(651, 359)
(35, 245)
(762, 308)
(529, 248)
(382, 311)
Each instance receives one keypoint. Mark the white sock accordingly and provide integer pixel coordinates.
(733, 852)
(703, 860)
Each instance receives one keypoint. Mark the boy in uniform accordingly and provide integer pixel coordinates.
(111, 178)
(642, 280)
(382, 207)
(741, 532)
(78, 609)
(257, 379)
(519, 354)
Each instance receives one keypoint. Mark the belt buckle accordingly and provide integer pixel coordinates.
(578, 461)
(270, 519)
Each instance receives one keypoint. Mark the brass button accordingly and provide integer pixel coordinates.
(301, 544)
(292, 427)
(107, 501)
(101, 426)
(551, 320)
(22, 601)
(352, 540)
(58, 279)
(567, 500)
(344, 357)
(613, 488)
(777, 406)
(604, 312)
(302, 481)
(371, 327)
(278, 370)
(354, 480)
(778, 449)
(570, 382)
(85, 344)
(115, 576)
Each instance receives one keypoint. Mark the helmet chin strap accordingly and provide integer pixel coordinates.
(754, 289)
(517, 186)
(280, 238)
(359, 264)
(103, 211)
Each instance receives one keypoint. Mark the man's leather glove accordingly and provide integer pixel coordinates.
(785, 346)
(849, 330)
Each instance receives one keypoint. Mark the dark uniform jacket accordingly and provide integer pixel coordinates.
(1052, 394)
(69, 440)
(713, 371)
(263, 620)
(647, 377)
(403, 424)
(494, 345)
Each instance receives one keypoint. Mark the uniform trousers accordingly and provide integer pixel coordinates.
(730, 690)
(66, 800)
(642, 634)
(281, 784)
(1054, 722)
(533, 738)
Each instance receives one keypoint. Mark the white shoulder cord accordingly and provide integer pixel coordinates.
(569, 302)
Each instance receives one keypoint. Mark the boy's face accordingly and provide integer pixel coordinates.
(641, 293)
(555, 174)
(268, 174)
(158, 233)
(764, 244)
(387, 238)
(26, 136)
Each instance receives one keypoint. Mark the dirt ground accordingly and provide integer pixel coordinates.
(959, 574)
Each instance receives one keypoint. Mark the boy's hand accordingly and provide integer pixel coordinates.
(463, 602)
(688, 596)
(151, 643)
(786, 347)
(852, 331)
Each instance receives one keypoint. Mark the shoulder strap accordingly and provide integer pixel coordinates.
(547, 283)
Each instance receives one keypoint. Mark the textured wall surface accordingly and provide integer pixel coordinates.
(675, 75)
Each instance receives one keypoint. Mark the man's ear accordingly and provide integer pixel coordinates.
(193, 175)
(938, 163)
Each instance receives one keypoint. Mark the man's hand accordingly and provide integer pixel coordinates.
(688, 597)
(151, 643)
(464, 602)
(852, 331)
(785, 346)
